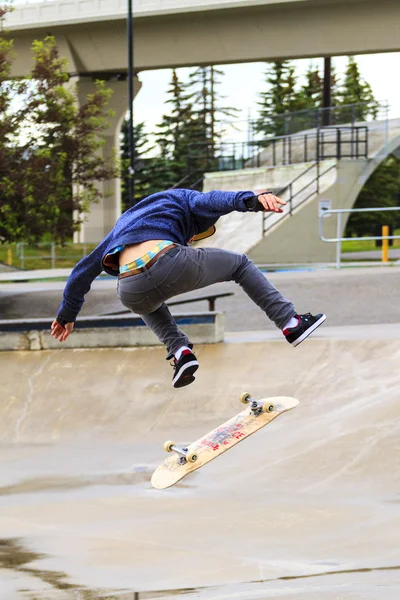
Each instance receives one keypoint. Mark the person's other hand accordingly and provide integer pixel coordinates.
(59, 332)
(271, 203)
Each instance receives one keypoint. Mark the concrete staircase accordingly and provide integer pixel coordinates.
(293, 237)
(244, 232)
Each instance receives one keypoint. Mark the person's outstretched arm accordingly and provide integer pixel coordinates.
(77, 286)
(215, 204)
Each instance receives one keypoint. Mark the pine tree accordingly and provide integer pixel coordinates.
(193, 122)
(208, 116)
(311, 93)
(357, 91)
(175, 133)
(148, 179)
(311, 97)
(281, 97)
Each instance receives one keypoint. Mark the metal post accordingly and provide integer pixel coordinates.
(53, 256)
(385, 244)
(130, 100)
(387, 130)
(338, 237)
(327, 95)
(20, 252)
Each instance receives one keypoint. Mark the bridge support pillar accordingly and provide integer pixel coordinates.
(103, 215)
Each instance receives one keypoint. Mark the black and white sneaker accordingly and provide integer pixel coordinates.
(184, 369)
(306, 325)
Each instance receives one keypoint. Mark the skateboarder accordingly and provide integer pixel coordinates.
(148, 250)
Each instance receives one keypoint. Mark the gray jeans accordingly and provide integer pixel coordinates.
(183, 269)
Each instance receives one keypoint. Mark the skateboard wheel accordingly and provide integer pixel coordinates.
(244, 398)
(168, 446)
(191, 456)
(268, 407)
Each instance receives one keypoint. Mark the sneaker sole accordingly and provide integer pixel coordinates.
(185, 374)
(309, 331)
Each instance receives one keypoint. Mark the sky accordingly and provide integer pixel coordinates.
(242, 83)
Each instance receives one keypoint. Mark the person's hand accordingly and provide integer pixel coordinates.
(59, 332)
(271, 203)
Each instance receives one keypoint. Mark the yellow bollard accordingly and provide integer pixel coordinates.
(9, 257)
(385, 244)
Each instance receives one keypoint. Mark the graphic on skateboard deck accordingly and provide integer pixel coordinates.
(185, 460)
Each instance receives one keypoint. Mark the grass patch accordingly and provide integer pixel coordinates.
(39, 256)
(368, 245)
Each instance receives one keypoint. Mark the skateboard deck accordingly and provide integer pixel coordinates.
(185, 460)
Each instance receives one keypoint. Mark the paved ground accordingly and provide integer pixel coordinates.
(309, 507)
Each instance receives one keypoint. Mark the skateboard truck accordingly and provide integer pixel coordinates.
(190, 456)
(256, 408)
(185, 455)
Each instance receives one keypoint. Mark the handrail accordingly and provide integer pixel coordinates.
(292, 196)
(339, 239)
(176, 185)
(295, 179)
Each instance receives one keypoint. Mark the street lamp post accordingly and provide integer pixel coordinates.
(131, 76)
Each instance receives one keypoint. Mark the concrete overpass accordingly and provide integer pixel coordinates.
(173, 33)
(91, 34)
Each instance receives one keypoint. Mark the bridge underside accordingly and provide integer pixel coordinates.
(257, 33)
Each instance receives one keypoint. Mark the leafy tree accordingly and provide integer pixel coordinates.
(382, 189)
(49, 155)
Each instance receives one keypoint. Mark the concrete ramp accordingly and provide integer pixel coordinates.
(309, 505)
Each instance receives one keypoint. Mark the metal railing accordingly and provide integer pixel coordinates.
(309, 189)
(339, 239)
(348, 142)
(51, 256)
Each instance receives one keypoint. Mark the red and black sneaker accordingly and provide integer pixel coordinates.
(305, 326)
(184, 369)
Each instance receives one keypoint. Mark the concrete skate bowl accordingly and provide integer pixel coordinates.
(308, 506)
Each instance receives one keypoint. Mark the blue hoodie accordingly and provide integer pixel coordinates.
(175, 215)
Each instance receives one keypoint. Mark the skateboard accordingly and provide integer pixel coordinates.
(185, 460)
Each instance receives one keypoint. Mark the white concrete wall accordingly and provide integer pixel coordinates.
(32, 336)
